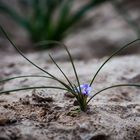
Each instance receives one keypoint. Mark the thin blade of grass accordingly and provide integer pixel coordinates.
(36, 16)
(30, 76)
(46, 42)
(70, 57)
(74, 69)
(47, 27)
(61, 71)
(19, 51)
(114, 86)
(116, 52)
(24, 76)
(28, 88)
(64, 14)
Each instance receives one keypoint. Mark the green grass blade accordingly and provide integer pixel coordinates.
(64, 14)
(38, 16)
(30, 76)
(19, 51)
(48, 24)
(74, 69)
(114, 86)
(64, 11)
(24, 76)
(61, 71)
(37, 87)
(116, 52)
(70, 57)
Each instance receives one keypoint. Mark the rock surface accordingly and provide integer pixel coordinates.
(113, 114)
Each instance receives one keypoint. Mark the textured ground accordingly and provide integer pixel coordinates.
(50, 115)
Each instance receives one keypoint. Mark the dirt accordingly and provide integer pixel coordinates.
(47, 114)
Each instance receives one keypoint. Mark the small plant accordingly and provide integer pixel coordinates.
(80, 91)
(39, 20)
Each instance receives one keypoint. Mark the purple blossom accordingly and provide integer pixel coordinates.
(85, 89)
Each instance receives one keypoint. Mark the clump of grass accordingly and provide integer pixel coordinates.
(39, 21)
(80, 91)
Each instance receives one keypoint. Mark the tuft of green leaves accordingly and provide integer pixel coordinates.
(40, 21)
(80, 92)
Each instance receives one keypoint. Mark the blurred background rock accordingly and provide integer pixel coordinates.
(107, 25)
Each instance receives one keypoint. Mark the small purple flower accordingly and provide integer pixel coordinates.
(85, 89)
